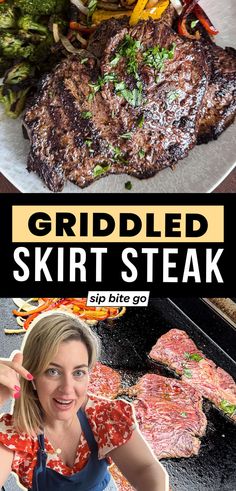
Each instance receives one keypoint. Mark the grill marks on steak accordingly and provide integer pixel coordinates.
(56, 126)
(64, 146)
(219, 104)
(170, 416)
(176, 350)
(104, 381)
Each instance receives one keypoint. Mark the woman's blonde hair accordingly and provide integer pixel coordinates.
(40, 345)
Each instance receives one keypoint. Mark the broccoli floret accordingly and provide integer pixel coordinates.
(31, 37)
(19, 74)
(13, 102)
(7, 16)
(27, 23)
(4, 65)
(41, 7)
(12, 46)
(42, 50)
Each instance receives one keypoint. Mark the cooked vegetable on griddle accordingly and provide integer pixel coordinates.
(27, 310)
(176, 350)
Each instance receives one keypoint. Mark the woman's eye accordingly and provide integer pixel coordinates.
(52, 372)
(79, 373)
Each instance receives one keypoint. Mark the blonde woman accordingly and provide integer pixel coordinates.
(59, 437)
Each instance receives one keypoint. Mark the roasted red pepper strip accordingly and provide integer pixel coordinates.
(29, 320)
(183, 31)
(205, 21)
(33, 311)
(189, 7)
(76, 26)
(182, 22)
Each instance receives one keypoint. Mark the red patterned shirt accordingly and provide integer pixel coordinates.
(112, 423)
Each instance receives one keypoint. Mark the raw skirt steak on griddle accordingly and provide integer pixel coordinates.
(177, 350)
(170, 416)
(104, 381)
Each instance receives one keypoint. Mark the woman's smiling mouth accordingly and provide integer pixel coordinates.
(63, 404)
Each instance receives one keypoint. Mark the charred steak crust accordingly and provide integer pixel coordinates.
(219, 104)
(109, 118)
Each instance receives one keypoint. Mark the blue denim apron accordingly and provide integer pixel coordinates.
(93, 477)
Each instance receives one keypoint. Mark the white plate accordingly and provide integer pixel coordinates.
(204, 168)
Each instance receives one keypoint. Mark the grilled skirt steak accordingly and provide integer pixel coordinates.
(134, 111)
(176, 350)
(219, 104)
(170, 416)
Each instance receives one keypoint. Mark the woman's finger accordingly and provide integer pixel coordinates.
(19, 369)
(9, 382)
(18, 358)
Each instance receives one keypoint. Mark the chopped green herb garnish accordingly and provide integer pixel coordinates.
(83, 61)
(128, 185)
(88, 143)
(128, 95)
(155, 57)
(86, 114)
(227, 407)
(187, 373)
(193, 356)
(133, 97)
(90, 96)
(172, 95)
(128, 49)
(92, 4)
(141, 121)
(126, 136)
(100, 169)
(141, 153)
(194, 23)
(183, 414)
(118, 154)
(115, 60)
(101, 81)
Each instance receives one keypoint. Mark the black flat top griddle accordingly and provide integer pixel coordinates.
(126, 343)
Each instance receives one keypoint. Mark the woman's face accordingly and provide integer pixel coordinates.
(62, 388)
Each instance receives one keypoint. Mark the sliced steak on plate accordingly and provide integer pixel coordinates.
(90, 119)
